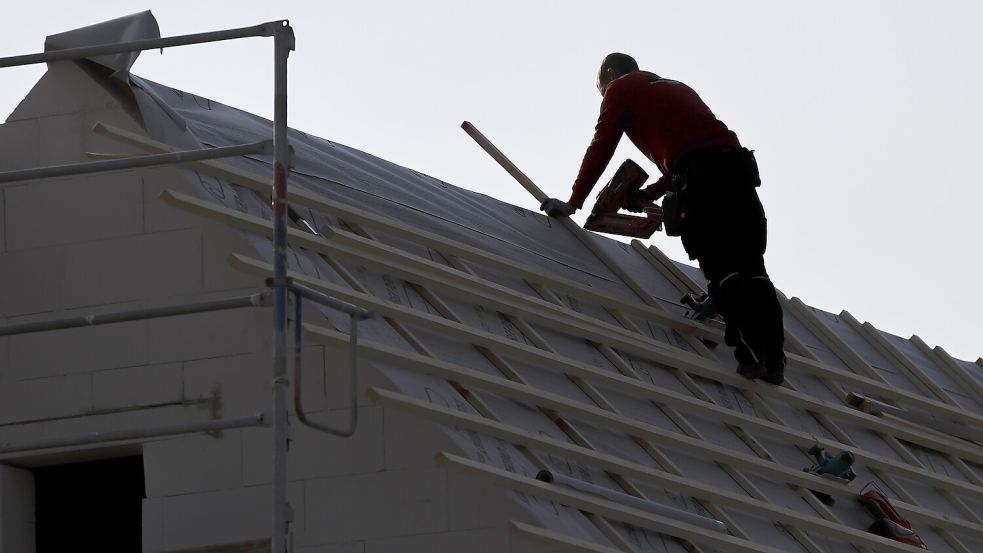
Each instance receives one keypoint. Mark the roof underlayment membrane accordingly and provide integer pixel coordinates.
(374, 185)
(780, 420)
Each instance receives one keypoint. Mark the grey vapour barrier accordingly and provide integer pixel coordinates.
(137, 26)
(369, 183)
(187, 121)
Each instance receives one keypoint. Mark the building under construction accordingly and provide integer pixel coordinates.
(378, 361)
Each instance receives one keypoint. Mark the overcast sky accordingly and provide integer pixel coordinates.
(865, 115)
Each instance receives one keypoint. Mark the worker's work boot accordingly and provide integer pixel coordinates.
(775, 369)
(752, 370)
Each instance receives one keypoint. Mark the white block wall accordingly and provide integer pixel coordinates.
(16, 521)
(79, 244)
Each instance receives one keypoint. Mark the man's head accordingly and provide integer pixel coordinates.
(614, 65)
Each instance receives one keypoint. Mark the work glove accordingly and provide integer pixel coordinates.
(557, 208)
(636, 200)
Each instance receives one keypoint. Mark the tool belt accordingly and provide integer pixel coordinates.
(696, 174)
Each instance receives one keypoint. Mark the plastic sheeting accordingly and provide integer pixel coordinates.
(138, 26)
(375, 185)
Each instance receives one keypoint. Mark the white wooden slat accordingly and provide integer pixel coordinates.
(534, 396)
(557, 540)
(683, 402)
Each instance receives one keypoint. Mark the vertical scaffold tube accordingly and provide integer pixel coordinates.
(283, 43)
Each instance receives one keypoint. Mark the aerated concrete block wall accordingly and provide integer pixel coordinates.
(80, 244)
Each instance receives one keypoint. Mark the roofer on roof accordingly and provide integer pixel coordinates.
(708, 180)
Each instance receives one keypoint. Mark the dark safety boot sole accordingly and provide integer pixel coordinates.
(776, 370)
(752, 370)
(775, 378)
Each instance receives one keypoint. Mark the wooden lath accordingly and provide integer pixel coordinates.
(317, 202)
(908, 368)
(679, 323)
(856, 362)
(557, 540)
(601, 401)
(446, 280)
(753, 507)
(627, 514)
(889, 439)
(661, 396)
(587, 240)
(625, 368)
(836, 388)
(449, 285)
(685, 326)
(579, 411)
(950, 366)
(512, 374)
(544, 360)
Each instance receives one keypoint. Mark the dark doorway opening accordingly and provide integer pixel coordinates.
(90, 506)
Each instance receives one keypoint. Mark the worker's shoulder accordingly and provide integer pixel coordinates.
(632, 80)
(646, 83)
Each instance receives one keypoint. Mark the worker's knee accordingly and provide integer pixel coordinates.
(739, 290)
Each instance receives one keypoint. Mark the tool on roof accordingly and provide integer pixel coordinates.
(878, 408)
(301, 222)
(614, 196)
(551, 477)
(701, 306)
(866, 404)
(838, 467)
(888, 522)
(297, 219)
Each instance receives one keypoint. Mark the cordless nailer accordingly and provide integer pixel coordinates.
(605, 217)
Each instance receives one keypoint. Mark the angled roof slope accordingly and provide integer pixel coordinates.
(507, 330)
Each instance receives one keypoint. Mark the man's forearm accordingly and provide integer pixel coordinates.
(595, 161)
(607, 134)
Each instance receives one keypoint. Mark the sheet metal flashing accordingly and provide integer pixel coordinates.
(136, 26)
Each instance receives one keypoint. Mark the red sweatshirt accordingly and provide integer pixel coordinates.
(663, 118)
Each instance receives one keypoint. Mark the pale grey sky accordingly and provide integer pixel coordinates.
(865, 115)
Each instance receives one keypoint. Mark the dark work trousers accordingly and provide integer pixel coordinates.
(726, 231)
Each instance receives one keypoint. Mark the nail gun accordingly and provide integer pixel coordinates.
(888, 522)
(605, 217)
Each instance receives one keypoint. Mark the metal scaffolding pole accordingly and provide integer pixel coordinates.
(263, 29)
(185, 156)
(92, 319)
(259, 419)
(283, 38)
(355, 314)
(317, 296)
